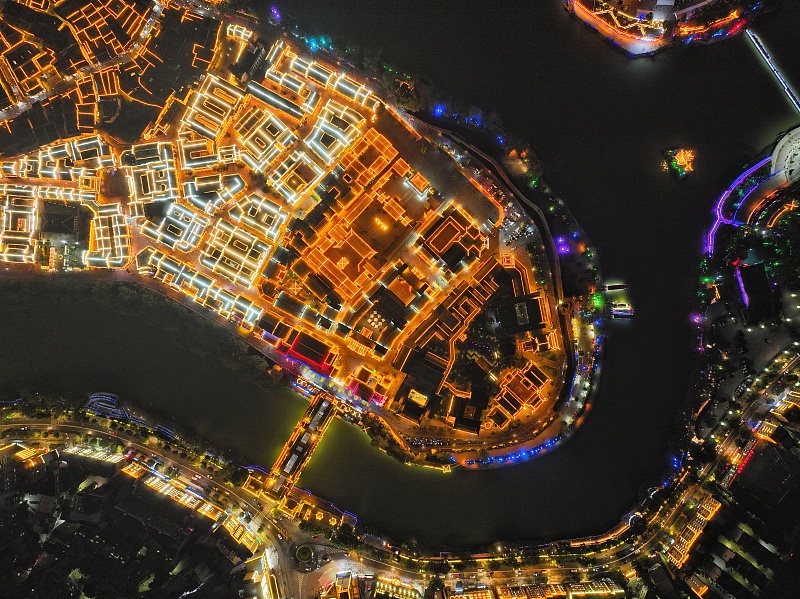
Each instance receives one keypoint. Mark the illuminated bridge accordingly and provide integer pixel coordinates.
(298, 449)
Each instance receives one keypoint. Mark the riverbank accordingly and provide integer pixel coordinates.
(644, 30)
(645, 227)
(579, 320)
(117, 288)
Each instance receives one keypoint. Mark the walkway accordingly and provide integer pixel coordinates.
(762, 50)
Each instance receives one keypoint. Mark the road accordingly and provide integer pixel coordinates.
(287, 577)
(290, 581)
(293, 583)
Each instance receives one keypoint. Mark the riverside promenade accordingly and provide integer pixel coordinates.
(644, 27)
(629, 38)
(578, 391)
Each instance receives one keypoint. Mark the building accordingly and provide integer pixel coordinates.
(19, 228)
(235, 254)
(757, 296)
(210, 107)
(678, 552)
(259, 582)
(110, 240)
(20, 465)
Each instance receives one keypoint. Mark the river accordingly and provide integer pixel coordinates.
(599, 122)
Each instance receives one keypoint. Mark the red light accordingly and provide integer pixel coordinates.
(738, 27)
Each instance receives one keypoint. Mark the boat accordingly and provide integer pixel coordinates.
(621, 310)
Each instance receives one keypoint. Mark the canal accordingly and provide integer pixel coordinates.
(599, 122)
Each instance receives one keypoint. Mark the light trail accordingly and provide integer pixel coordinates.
(768, 59)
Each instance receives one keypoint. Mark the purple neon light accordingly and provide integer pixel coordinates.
(741, 286)
(718, 218)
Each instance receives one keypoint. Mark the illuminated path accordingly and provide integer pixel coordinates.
(751, 191)
(768, 59)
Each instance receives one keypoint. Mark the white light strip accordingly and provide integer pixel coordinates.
(765, 55)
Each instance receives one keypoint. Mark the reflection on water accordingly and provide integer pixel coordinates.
(600, 123)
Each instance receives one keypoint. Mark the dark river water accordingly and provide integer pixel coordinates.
(599, 122)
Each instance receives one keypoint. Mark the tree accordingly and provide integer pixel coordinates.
(438, 567)
(310, 527)
(434, 587)
(239, 477)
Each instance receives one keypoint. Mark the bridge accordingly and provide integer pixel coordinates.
(300, 446)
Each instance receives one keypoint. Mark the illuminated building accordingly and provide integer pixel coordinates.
(79, 158)
(211, 192)
(350, 89)
(104, 28)
(529, 312)
(235, 254)
(477, 593)
(174, 272)
(451, 238)
(259, 582)
(307, 349)
(679, 551)
(301, 97)
(181, 228)
(152, 177)
(110, 240)
(275, 100)
(20, 465)
(344, 586)
(37, 5)
(86, 106)
(295, 176)
(335, 129)
(631, 32)
(250, 59)
(199, 287)
(289, 84)
(19, 216)
(276, 52)
(197, 153)
(396, 589)
(785, 159)
(685, 159)
(521, 387)
(263, 138)
(261, 215)
(369, 157)
(680, 161)
(28, 65)
(239, 32)
(49, 192)
(211, 106)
